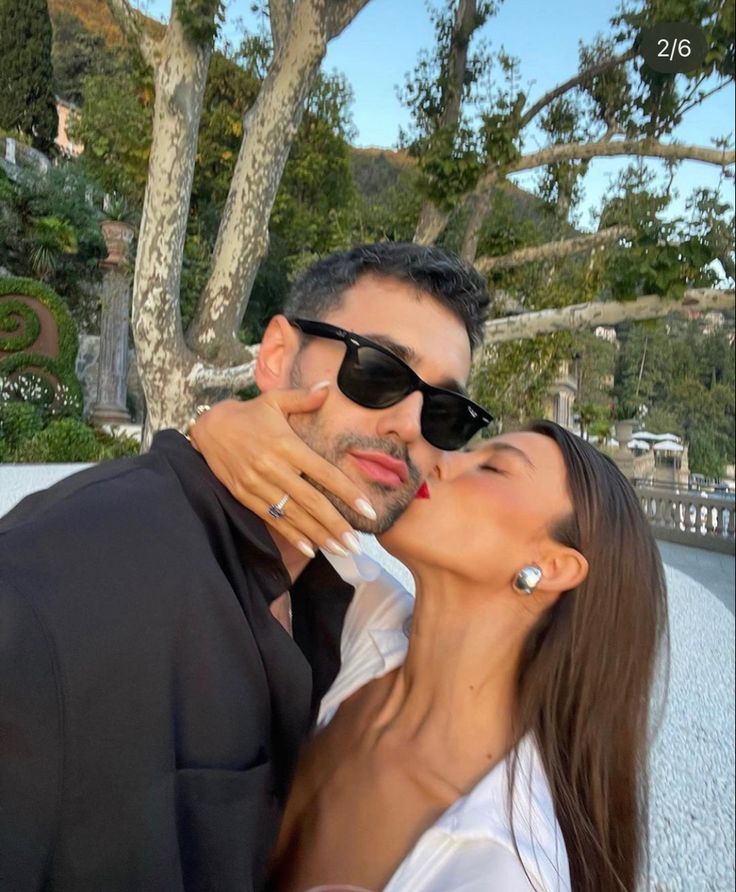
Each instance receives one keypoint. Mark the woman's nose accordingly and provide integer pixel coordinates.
(451, 465)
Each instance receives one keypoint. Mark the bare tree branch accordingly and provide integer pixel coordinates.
(279, 13)
(594, 313)
(729, 267)
(342, 14)
(132, 25)
(683, 110)
(573, 82)
(206, 378)
(553, 250)
(599, 149)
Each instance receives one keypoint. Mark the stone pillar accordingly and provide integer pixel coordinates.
(110, 407)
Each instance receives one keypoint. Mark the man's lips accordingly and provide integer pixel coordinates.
(381, 467)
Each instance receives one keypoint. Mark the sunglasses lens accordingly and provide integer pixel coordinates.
(373, 379)
(447, 421)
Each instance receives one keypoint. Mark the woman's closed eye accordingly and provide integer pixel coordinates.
(493, 468)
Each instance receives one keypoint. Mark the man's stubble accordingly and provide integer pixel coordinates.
(389, 502)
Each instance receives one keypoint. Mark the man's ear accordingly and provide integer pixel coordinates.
(563, 569)
(279, 347)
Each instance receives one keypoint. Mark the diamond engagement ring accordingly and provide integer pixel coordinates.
(277, 510)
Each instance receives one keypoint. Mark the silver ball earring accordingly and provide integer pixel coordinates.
(528, 579)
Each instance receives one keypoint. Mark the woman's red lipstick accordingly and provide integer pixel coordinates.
(423, 492)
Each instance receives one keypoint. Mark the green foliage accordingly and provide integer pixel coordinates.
(115, 127)
(513, 379)
(684, 377)
(76, 54)
(595, 363)
(706, 455)
(313, 209)
(65, 440)
(19, 421)
(229, 92)
(14, 315)
(200, 19)
(33, 431)
(194, 272)
(115, 446)
(62, 368)
(657, 102)
(665, 256)
(71, 440)
(451, 151)
(27, 101)
(50, 230)
(269, 291)
(560, 184)
(451, 162)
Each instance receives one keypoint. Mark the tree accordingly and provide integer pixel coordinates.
(613, 94)
(26, 75)
(610, 106)
(174, 370)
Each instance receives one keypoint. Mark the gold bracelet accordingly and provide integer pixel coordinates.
(198, 413)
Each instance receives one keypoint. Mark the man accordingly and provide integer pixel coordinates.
(151, 709)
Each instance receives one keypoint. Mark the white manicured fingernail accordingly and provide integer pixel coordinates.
(320, 386)
(352, 542)
(335, 548)
(305, 548)
(366, 509)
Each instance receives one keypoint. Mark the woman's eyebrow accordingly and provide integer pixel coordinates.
(507, 447)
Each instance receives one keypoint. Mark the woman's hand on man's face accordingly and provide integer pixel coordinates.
(252, 450)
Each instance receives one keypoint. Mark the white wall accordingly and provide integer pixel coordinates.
(18, 481)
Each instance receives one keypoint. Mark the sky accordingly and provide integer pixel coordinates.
(382, 44)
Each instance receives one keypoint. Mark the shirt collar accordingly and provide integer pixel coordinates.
(483, 814)
(355, 569)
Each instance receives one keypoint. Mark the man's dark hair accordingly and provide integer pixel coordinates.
(449, 280)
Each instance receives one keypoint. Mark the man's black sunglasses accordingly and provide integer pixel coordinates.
(373, 377)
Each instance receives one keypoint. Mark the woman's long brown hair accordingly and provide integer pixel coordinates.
(587, 671)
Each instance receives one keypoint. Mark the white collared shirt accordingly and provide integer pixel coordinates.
(471, 847)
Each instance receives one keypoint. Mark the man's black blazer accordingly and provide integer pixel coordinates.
(151, 707)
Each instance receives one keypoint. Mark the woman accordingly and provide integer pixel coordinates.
(500, 744)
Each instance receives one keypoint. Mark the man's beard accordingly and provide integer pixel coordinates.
(391, 502)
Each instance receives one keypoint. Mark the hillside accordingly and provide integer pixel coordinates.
(376, 170)
(96, 17)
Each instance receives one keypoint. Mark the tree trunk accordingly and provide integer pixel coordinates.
(480, 208)
(430, 224)
(164, 361)
(431, 220)
(269, 129)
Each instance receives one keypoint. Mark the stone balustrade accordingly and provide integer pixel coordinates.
(690, 518)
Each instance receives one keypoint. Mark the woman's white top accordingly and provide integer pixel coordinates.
(471, 847)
